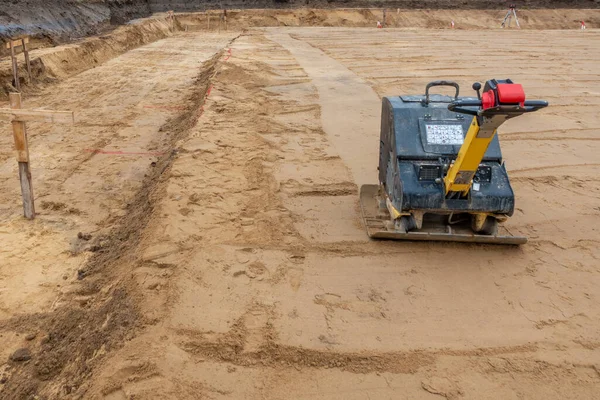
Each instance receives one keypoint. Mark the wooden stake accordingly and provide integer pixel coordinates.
(22, 148)
(18, 118)
(26, 52)
(66, 117)
(15, 66)
(16, 43)
(171, 18)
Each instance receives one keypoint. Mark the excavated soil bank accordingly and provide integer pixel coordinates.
(54, 21)
(63, 61)
(51, 64)
(395, 18)
(201, 5)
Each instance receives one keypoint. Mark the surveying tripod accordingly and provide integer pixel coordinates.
(512, 10)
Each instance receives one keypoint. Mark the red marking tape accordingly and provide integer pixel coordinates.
(124, 153)
(205, 98)
(211, 86)
(150, 153)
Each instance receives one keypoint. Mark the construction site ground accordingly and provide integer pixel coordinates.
(199, 234)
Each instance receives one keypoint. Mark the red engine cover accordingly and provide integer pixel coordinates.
(511, 93)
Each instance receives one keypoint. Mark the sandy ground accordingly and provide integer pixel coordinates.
(248, 275)
(86, 175)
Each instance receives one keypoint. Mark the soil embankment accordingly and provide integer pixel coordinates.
(52, 64)
(54, 21)
(394, 18)
(202, 5)
(49, 64)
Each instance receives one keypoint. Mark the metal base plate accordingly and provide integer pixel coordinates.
(377, 222)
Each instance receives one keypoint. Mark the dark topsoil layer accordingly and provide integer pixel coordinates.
(61, 20)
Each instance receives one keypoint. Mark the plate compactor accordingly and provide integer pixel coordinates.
(441, 174)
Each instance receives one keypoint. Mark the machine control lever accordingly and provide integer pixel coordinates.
(477, 88)
(499, 101)
(499, 97)
(528, 106)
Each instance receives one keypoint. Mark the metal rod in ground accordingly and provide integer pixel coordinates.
(507, 17)
(516, 19)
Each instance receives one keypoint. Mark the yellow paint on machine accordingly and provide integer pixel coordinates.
(478, 138)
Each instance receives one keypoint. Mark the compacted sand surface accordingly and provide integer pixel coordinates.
(199, 233)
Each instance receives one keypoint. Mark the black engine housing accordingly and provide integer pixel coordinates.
(418, 142)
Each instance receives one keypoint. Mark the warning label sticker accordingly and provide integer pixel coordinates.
(444, 134)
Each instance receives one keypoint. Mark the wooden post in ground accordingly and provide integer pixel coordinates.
(15, 66)
(18, 118)
(171, 19)
(26, 53)
(12, 45)
(22, 148)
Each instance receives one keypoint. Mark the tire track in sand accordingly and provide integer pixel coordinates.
(350, 108)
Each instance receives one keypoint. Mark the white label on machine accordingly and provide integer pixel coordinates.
(476, 186)
(444, 134)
